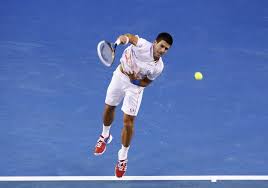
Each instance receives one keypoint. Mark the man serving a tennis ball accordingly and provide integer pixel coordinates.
(140, 64)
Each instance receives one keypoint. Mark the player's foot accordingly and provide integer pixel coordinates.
(101, 144)
(121, 168)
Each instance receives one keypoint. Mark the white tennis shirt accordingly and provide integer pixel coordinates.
(139, 59)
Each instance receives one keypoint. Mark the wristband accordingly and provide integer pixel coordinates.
(136, 82)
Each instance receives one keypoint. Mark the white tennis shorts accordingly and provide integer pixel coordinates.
(121, 88)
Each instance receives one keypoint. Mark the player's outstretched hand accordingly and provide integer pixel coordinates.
(132, 75)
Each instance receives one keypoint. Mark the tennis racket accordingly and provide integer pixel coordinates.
(106, 52)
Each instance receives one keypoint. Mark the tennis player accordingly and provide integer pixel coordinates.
(140, 64)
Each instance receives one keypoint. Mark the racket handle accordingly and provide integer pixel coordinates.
(117, 42)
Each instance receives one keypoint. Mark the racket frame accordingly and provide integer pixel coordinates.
(112, 47)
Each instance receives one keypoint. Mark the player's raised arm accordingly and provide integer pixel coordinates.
(128, 38)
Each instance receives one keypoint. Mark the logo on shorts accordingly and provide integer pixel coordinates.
(132, 110)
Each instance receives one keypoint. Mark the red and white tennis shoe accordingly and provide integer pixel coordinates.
(101, 144)
(121, 168)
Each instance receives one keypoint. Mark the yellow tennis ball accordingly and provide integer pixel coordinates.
(198, 76)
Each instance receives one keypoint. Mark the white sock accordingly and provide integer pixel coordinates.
(122, 153)
(105, 131)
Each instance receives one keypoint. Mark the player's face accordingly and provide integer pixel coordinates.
(160, 48)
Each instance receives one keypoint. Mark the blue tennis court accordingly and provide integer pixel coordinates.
(52, 91)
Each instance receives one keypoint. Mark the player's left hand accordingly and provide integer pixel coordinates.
(132, 75)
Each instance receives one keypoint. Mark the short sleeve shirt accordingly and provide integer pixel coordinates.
(139, 59)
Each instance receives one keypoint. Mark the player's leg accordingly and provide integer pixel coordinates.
(127, 130)
(105, 137)
(108, 118)
(130, 108)
(126, 136)
(114, 96)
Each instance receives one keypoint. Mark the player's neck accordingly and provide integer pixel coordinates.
(156, 58)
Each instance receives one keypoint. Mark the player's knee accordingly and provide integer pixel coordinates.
(128, 120)
(109, 108)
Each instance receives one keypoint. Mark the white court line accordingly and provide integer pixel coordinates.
(213, 178)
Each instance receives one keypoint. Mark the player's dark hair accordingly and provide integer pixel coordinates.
(164, 36)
